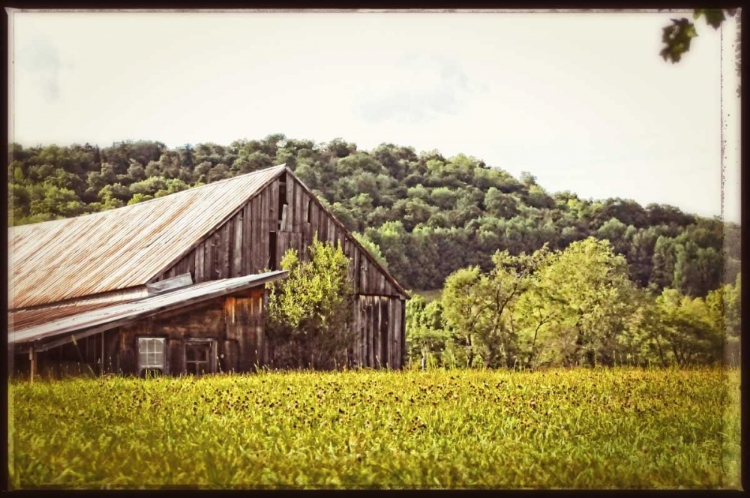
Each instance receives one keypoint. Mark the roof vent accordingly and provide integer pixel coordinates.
(170, 284)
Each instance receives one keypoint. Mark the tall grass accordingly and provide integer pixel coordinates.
(579, 428)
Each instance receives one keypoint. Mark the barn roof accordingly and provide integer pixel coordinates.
(65, 259)
(108, 317)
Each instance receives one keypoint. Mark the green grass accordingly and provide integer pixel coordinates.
(583, 428)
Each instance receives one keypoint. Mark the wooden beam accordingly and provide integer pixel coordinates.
(32, 361)
(101, 359)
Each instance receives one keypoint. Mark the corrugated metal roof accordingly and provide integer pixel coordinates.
(121, 248)
(105, 318)
(23, 319)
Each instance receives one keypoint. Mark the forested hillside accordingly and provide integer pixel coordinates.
(429, 215)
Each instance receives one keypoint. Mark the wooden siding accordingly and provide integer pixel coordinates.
(235, 323)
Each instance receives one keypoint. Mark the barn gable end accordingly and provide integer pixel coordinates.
(284, 215)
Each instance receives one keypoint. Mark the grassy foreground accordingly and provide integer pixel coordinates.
(583, 428)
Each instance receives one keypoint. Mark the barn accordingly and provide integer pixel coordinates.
(177, 284)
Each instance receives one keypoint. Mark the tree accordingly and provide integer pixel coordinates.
(690, 334)
(678, 35)
(372, 248)
(478, 306)
(587, 289)
(309, 312)
(500, 204)
(427, 337)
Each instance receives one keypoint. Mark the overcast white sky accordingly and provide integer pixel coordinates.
(581, 100)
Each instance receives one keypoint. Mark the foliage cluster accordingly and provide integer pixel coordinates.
(429, 215)
(309, 312)
(565, 308)
(677, 36)
(579, 428)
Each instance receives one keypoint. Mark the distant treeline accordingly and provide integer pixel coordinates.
(429, 215)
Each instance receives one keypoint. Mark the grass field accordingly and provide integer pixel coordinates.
(583, 428)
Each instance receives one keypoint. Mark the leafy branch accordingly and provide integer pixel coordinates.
(678, 35)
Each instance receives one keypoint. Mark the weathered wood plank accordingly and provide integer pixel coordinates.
(289, 226)
(247, 342)
(384, 323)
(175, 356)
(237, 252)
(389, 334)
(322, 225)
(284, 217)
(355, 329)
(264, 229)
(370, 331)
(199, 265)
(230, 353)
(363, 274)
(356, 271)
(377, 346)
(273, 214)
(314, 217)
(402, 334)
(208, 259)
(297, 207)
(191, 264)
(225, 249)
(246, 240)
(255, 213)
(216, 254)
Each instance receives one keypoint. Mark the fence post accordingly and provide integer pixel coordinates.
(32, 368)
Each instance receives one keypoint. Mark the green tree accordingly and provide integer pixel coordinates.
(309, 312)
(372, 248)
(587, 289)
(426, 337)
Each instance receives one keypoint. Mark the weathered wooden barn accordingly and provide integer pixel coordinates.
(177, 283)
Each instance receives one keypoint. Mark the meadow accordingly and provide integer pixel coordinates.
(579, 428)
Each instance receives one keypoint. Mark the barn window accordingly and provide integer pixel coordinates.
(198, 356)
(151, 354)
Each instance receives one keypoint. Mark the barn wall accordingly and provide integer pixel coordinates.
(285, 215)
(235, 322)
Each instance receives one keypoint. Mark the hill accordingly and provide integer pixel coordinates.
(427, 214)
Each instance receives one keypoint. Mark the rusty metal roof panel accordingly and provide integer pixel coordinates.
(23, 319)
(125, 247)
(105, 317)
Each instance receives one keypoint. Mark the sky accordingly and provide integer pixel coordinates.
(580, 100)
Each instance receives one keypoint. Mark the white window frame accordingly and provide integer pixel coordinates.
(149, 355)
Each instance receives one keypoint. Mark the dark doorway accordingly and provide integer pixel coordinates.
(272, 251)
(199, 357)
